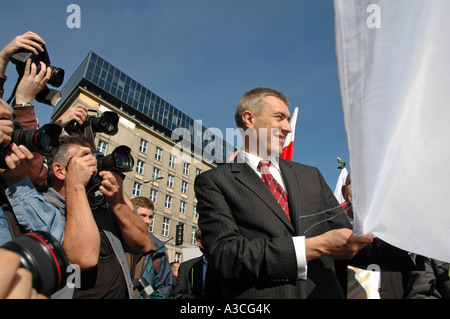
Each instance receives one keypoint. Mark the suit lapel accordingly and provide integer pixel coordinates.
(293, 191)
(245, 175)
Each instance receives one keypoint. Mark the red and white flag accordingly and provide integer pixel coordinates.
(288, 146)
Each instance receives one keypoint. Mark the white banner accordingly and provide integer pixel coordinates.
(393, 60)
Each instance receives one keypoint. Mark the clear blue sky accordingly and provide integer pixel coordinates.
(202, 55)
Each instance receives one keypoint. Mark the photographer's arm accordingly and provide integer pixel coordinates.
(29, 206)
(81, 234)
(133, 228)
(29, 86)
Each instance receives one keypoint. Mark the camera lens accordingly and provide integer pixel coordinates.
(57, 77)
(107, 123)
(44, 257)
(42, 140)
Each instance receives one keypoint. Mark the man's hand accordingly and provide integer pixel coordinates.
(25, 41)
(32, 83)
(15, 282)
(337, 244)
(6, 130)
(112, 188)
(77, 113)
(81, 167)
(17, 162)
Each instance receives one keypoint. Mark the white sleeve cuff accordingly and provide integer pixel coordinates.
(299, 245)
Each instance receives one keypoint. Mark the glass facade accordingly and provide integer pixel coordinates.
(111, 80)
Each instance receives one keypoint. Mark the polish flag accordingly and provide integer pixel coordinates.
(288, 146)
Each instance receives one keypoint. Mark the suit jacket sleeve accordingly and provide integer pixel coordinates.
(246, 251)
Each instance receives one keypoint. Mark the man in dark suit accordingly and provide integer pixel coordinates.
(261, 247)
(196, 278)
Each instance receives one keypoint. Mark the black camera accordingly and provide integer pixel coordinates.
(44, 257)
(46, 95)
(42, 140)
(119, 161)
(106, 123)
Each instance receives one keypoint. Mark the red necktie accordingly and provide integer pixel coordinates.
(276, 189)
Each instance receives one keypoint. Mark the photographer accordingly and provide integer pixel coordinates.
(27, 89)
(20, 202)
(97, 239)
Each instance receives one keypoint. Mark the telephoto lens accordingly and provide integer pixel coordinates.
(44, 257)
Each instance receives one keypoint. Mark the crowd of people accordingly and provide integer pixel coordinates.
(268, 228)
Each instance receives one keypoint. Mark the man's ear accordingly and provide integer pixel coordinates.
(248, 119)
(59, 171)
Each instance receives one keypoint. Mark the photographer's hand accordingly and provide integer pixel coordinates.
(17, 162)
(15, 282)
(80, 168)
(32, 83)
(6, 130)
(25, 41)
(112, 188)
(77, 113)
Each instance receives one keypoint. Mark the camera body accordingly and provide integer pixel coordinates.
(42, 140)
(106, 123)
(46, 95)
(119, 161)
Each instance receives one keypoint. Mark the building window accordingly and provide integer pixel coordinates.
(195, 214)
(172, 161)
(186, 168)
(177, 258)
(165, 227)
(153, 195)
(143, 146)
(170, 180)
(140, 167)
(156, 172)
(182, 207)
(193, 240)
(150, 228)
(168, 202)
(198, 171)
(184, 187)
(102, 146)
(137, 189)
(158, 154)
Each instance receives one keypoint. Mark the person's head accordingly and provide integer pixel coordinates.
(198, 237)
(144, 208)
(263, 115)
(68, 146)
(347, 193)
(174, 267)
